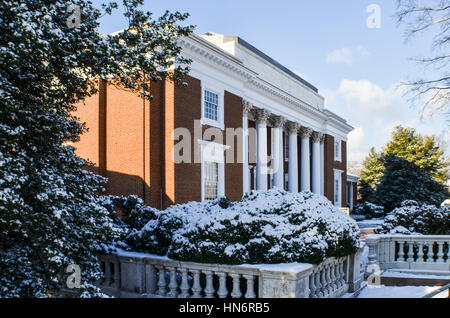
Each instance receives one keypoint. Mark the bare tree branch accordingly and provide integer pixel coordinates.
(418, 17)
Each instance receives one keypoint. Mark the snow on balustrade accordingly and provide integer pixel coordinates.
(128, 274)
(328, 279)
(410, 252)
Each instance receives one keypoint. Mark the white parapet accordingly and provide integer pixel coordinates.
(424, 253)
(128, 274)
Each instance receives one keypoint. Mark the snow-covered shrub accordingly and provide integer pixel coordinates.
(264, 227)
(369, 210)
(413, 217)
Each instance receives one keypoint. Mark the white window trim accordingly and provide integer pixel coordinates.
(337, 176)
(221, 168)
(337, 158)
(220, 123)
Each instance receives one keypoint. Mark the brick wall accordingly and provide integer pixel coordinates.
(330, 165)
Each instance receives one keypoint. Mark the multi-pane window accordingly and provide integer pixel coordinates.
(211, 180)
(211, 105)
(337, 191)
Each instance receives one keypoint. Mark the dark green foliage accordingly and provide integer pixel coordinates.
(50, 215)
(264, 227)
(409, 167)
(414, 217)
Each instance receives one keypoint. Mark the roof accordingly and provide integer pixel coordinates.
(275, 63)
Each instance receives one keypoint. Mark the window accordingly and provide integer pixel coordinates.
(211, 182)
(337, 150)
(338, 187)
(211, 105)
(213, 169)
(286, 181)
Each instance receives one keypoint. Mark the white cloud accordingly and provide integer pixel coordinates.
(375, 112)
(357, 145)
(347, 55)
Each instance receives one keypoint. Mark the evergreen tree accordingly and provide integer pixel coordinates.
(50, 59)
(371, 174)
(409, 167)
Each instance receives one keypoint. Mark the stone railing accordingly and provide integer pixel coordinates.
(424, 253)
(142, 275)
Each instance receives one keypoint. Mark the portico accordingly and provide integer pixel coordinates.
(309, 159)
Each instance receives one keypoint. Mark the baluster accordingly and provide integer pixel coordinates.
(184, 284)
(196, 288)
(430, 252)
(319, 287)
(401, 253)
(312, 286)
(116, 275)
(222, 292)
(236, 293)
(420, 253)
(328, 278)
(333, 284)
(440, 254)
(209, 290)
(323, 281)
(173, 286)
(342, 273)
(410, 252)
(162, 291)
(250, 286)
(107, 281)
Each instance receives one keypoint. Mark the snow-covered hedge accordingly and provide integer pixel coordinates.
(413, 217)
(369, 210)
(264, 227)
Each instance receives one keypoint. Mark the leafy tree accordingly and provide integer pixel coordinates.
(409, 167)
(50, 216)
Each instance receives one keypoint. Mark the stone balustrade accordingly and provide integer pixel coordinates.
(424, 253)
(129, 274)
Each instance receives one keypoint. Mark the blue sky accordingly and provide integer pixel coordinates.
(356, 68)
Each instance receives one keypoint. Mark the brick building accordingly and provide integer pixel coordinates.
(243, 122)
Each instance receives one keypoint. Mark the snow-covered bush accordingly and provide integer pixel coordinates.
(413, 217)
(264, 227)
(369, 210)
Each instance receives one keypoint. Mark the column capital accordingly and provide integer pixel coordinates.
(322, 138)
(292, 127)
(261, 115)
(247, 107)
(277, 121)
(306, 132)
(316, 136)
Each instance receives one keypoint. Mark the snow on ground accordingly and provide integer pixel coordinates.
(396, 292)
(371, 222)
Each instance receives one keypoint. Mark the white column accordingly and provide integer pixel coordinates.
(305, 133)
(351, 195)
(277, 152)
(316, 183)
(261, 116)
(246, 108)
(322, 165)
(292, 129)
